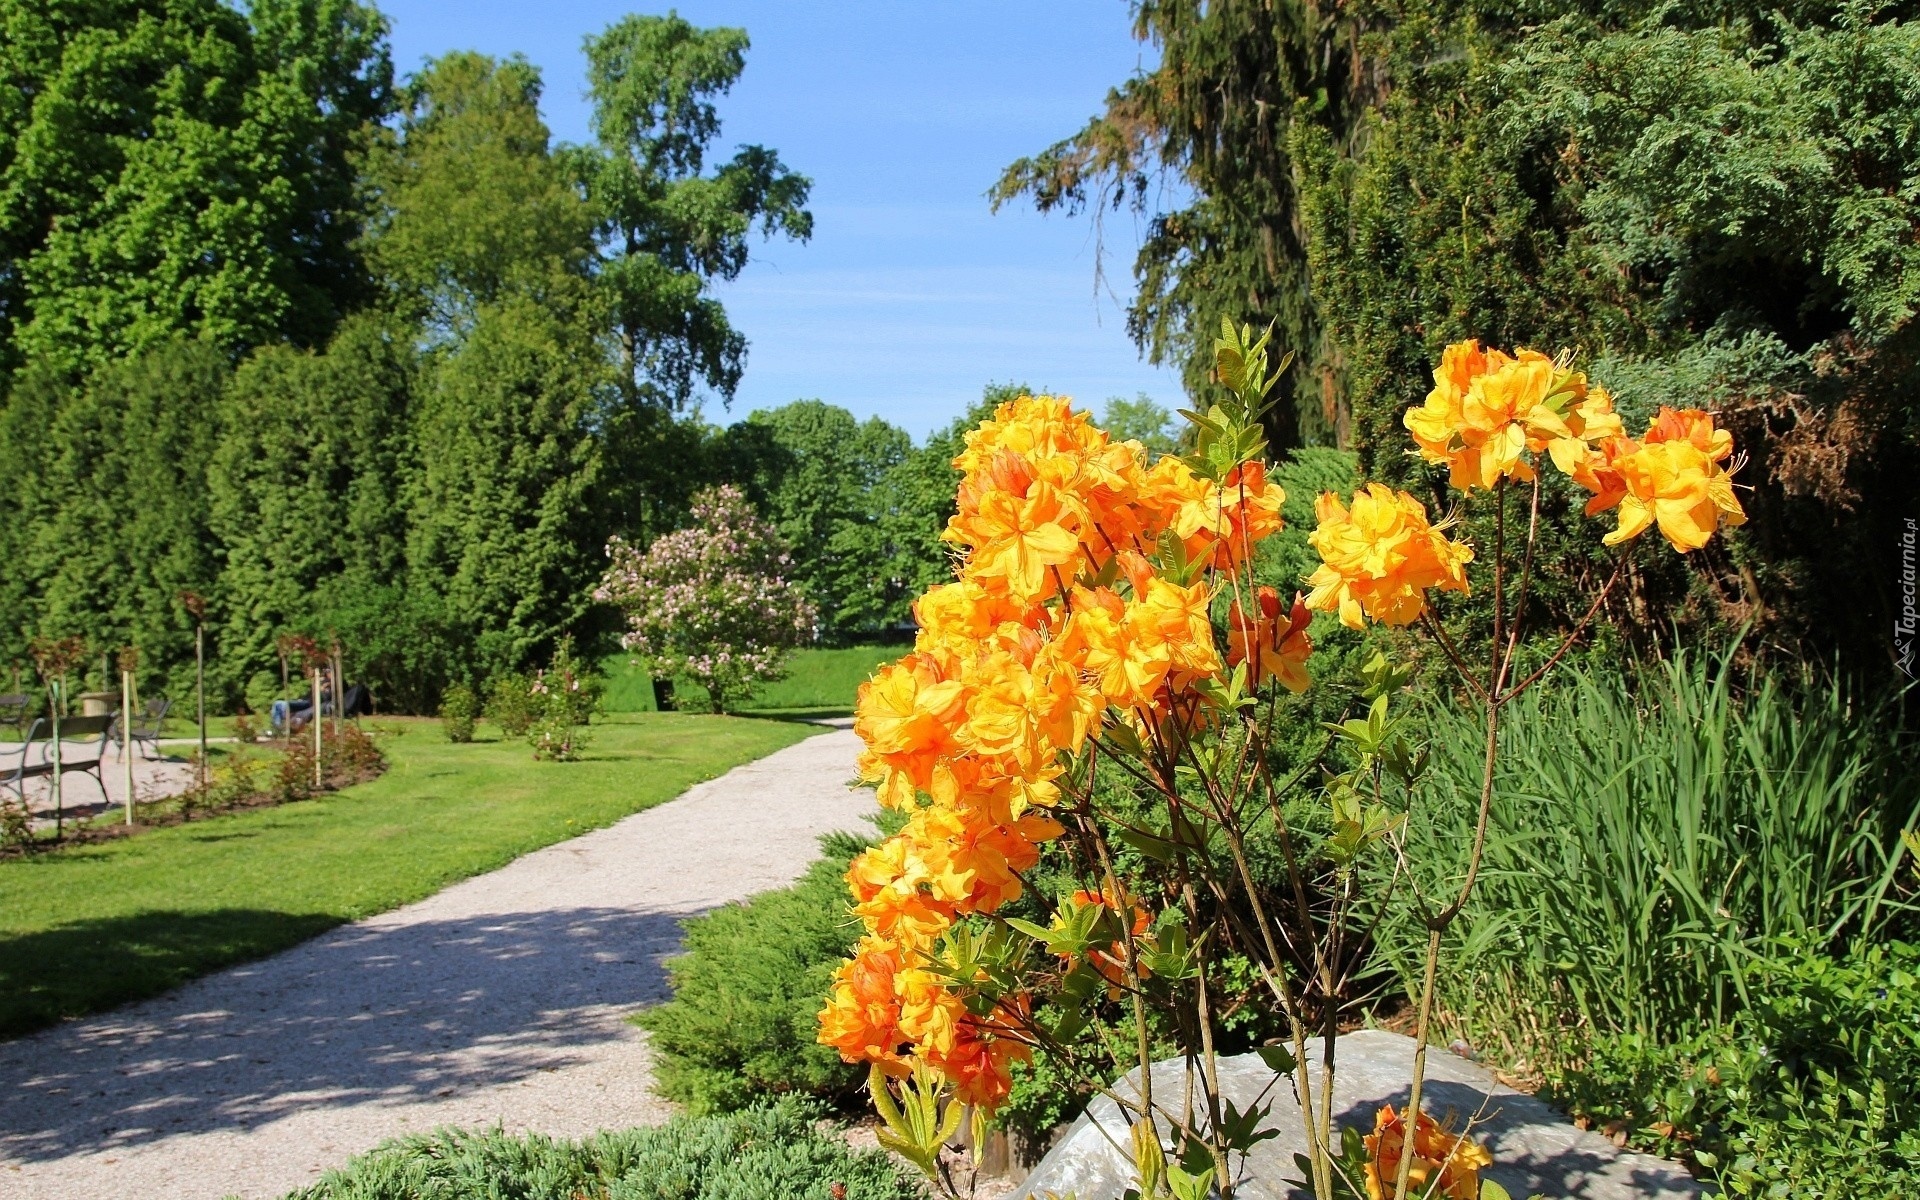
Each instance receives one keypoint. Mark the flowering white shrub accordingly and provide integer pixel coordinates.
(713, 602)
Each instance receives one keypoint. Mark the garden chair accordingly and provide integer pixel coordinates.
(146, 726)
(14, 709)
(92, 732)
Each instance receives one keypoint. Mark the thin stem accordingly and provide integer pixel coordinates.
(1571, 638)
(1410, 1120)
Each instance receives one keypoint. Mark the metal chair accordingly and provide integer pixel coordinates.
(146, 726)
(14, 709)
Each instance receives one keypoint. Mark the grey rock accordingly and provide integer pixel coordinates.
(1535, 1151)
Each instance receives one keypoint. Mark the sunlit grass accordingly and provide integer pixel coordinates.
(86, 928)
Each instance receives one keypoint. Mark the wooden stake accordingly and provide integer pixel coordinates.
(126, 736)
(200, 691)
(316, 728)
(58, 812)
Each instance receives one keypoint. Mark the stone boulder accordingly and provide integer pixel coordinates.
(1535, 1151)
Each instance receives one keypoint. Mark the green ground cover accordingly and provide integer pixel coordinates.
(87, 928)
(818, 680)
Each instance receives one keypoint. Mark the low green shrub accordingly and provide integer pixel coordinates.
(1812, 1090)
(747, 994)
(776, 1152)
(510, 703)
(459, 709)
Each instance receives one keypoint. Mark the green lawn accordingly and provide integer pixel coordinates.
(818, 681)
(84, 929)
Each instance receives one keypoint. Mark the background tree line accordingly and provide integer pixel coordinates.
(375, 358)
(1715, 202)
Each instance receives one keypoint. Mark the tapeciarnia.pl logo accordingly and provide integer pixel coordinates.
(1907, 623)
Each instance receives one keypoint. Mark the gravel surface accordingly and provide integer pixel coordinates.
(499, 1000)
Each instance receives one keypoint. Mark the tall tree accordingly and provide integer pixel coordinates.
(308, 491)
(1214, 119)
(822, 496)
(179, 167)
(1716, 204)
(467, 202)
(480, 234)
(117, 518)
(667, 227)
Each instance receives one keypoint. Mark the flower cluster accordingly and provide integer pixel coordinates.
(1081, 598)
(1444, 1163)
(1490, 415)
(1380, 557)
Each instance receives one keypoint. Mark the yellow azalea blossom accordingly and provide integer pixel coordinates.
(1674, 478)
(1062, 609)
(1490, 413)
(1378, 558)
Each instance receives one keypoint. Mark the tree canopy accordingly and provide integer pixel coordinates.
(1713, 204)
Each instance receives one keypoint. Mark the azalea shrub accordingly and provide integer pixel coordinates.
(713, 603)
(1097, 687)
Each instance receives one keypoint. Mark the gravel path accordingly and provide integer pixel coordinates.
(501, 999)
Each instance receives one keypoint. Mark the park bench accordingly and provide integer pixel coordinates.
(146, 726)
(93, 734)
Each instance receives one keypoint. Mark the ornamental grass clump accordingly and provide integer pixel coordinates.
(1099, 684)
(713, 603)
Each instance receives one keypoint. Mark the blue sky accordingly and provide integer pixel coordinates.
(911, 295)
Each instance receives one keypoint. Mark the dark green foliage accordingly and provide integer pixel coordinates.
(1813, 1090)
(111, 516)
(820, 472)
(458, 709)
(1650, 840)
(504, 529)
(1233, 77)
(1716, 205)
(748, 992)
(776, 1152)
(307, 491)
(179, 168)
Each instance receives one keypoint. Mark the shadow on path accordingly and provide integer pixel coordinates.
(369, 1014)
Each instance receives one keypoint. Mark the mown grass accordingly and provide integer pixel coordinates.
(90, 927)
(819, 681)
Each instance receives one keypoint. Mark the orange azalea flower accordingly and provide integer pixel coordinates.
(1273, 643)
(906, 714)
(930, 1014)
(1380, 557)
(1675, 478)
(1225, 520)
(980, 1066)
(1018, 541)
(862, 1016)
(1456, 1160)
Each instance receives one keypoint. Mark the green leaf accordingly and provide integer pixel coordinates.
(1279, 1059)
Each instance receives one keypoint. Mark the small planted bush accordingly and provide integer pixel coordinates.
(562, 698)
(776, 1152)
(741, 1022)
(510, 703)
(459, 708)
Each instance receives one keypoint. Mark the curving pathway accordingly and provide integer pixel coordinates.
(499, 1000)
